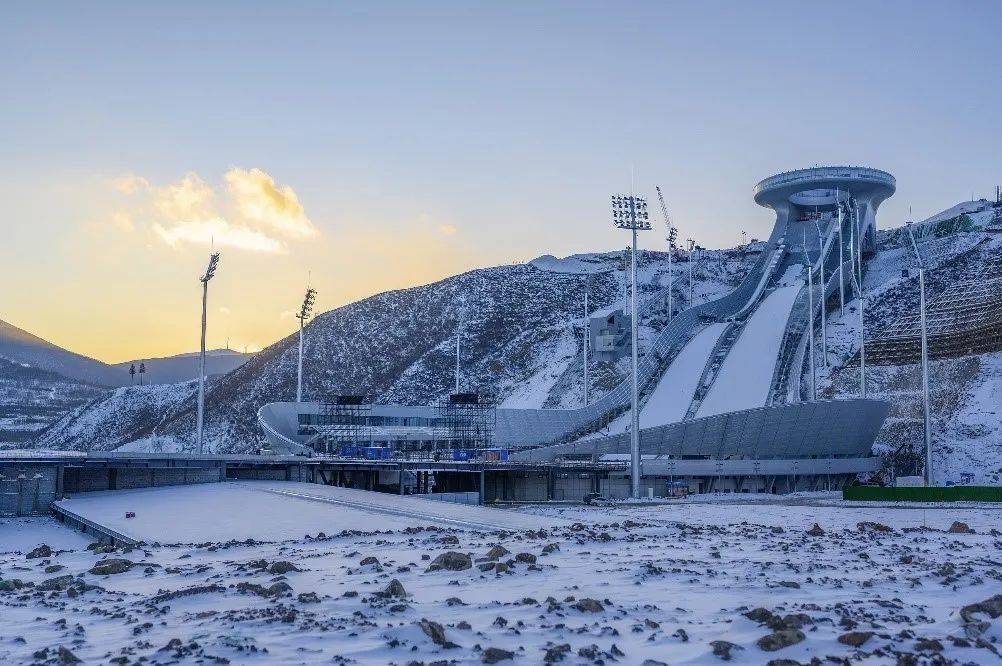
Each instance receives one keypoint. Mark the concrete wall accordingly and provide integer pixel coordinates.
(27, 489)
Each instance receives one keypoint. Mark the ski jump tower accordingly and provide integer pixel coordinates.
(797, 195)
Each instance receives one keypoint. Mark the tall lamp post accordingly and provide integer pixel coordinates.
(210, 271)
(630, 212)
(587, 338)
(925, 359)
(824, 331)
(302, 316)
(810, 316)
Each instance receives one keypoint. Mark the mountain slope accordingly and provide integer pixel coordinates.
(24, 348)
(521, 335)
(184, 367)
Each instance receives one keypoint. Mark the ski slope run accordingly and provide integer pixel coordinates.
(745, 377)
(673, 394)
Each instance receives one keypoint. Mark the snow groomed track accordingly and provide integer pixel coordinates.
(746, 375)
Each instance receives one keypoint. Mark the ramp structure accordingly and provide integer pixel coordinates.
(743, 351)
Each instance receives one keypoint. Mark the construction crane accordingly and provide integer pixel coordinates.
(671, 238)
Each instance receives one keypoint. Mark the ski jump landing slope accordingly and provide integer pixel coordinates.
(744, 379)
(674, 391)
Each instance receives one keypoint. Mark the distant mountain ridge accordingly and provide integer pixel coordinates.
(184, 367)
(22, 347)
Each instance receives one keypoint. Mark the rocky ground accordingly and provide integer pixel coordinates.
(692, 584)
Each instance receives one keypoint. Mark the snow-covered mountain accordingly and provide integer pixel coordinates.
(184, 367)
(521, 340)
(24, 348)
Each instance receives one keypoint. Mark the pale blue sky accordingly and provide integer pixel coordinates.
(510, 122)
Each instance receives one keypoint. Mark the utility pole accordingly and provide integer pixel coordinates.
(210, 271)
(926, 410)
(630, 212)
(302, 316)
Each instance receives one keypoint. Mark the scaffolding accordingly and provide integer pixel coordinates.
(470, 420)
(965, 320)
(344, 419)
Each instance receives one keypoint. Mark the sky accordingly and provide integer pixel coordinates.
(363, 147)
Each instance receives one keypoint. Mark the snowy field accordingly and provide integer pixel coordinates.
(281, 510)
(686, 584)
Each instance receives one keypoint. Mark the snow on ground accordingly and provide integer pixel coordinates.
(624, 584)
(578, 264)
(745, 377)
(280, 510)
(20, 535)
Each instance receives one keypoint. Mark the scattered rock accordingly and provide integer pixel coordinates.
(760, 615)
(493, 655)
(587, 605)
(928, 645)
(308, 598)
(869, 526)
(451, 561)
(778, 640)
(992, 607)
(486, 566)
(960, 528)
(551, 548)
(262, 591)
(53, 568)
(816, 531)
(528, 558)
(64, 656)
(436, 633)
(723, 649)
(497, 552)
(789, 583)
(370, 560)
(283, 567)
(395, 589)
(855, 638)
(110, 566)
(41, 551)
(59, 583)
(556, 653)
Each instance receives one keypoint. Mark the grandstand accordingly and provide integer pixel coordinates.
(965, 320)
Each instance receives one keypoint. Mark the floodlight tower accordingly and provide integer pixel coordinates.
(210, 271)
(824, 331)
(691, 246)
(302, 316)
(672, 235)
(630, 212)
(587, 338)
(810, 315)
(925, 357)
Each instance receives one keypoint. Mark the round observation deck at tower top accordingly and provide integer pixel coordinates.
(798, 196)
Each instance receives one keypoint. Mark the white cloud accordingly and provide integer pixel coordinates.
(260, 201)
(217, 232)
(257, 215)
(447, 229)
(224, 310)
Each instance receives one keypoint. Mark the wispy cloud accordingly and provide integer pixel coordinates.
(253, 214)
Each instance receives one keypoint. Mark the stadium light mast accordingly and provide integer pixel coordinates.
(858, 284)
(810, 316)
(630, 212)
(691, 245)
(302, 316)
(926, 414)
(824, 328)
(671, 237)
(587, 338)
(210, 271)
(841, 260)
